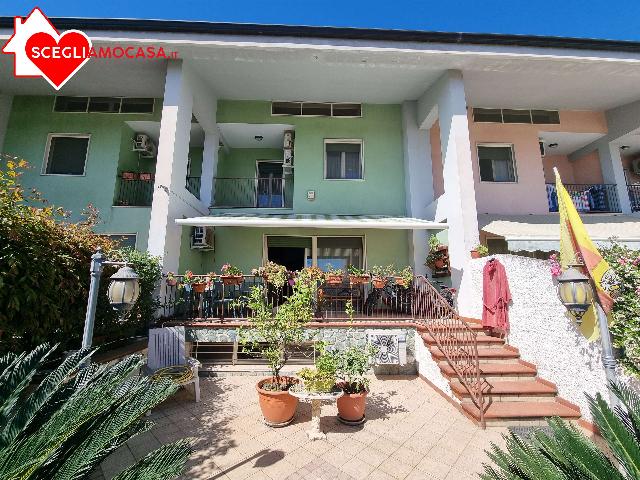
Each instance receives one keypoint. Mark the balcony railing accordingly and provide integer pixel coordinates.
(253, 192)
(193, 185)
(588, 198)
(634, 197)
(133, 191)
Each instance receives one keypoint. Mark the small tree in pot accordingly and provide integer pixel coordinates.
(272, 333)
(351, 367)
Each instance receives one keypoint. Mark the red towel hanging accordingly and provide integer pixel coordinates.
(496, 297)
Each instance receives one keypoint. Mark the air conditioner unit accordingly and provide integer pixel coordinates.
(635, 166)
(202, 238)
(143, 144)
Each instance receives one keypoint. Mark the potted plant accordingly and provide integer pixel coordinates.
(379, 276)
(193, 282)
(351, 367)
(231, 275)
(438, 253)
(357, 276)
(322, 378)
(273, 273)
(272, 332)
(171, 280)
(479, 251)
(405, 277)
(334, 276)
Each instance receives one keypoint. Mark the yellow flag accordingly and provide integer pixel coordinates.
(576, 247)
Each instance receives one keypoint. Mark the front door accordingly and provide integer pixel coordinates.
(269, 185)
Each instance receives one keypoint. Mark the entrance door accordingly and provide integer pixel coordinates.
(269, 184)
(289, 251)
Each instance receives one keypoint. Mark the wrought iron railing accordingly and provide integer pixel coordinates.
(193, 185)
(634, 197)
(454, 337)
(253, 192)
(593, 197)
(134, 192)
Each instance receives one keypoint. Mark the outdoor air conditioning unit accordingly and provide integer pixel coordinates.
(143, 144)
(202, 238)
(635, 166)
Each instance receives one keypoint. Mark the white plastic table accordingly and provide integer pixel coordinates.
(316, 399)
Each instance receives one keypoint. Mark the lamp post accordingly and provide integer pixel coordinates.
(576, 292)
(124, 290)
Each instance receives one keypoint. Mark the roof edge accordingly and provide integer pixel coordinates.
(347, 33)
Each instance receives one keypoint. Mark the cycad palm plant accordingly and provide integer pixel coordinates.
(67, 424)
(568, 454)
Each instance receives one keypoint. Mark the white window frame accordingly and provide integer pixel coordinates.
(119, 112)
(357, 141)
(513, 160)
(314, 246)
(45, 161)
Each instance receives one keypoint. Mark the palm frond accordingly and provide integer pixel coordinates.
(163, 463)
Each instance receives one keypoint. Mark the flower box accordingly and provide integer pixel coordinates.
(359, 279)
(231, 279)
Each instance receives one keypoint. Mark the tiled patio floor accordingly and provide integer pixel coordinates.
(411, 432)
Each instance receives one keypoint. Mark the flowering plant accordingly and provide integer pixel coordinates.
(275, 274)
(231, 270)
(554, 265)
(310, 275)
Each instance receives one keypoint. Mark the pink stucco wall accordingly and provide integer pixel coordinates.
(626, 164)
(528, 194)
(585, 169)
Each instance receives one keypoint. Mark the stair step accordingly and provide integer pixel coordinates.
(476, 327)
(507, 388)
(483, 340)
(498, 353)
(521, 410)
(497, 369)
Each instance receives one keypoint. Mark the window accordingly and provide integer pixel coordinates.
(123, 240)
(66, 154)
(339, 252)
(346, 110)
(103, 105)
(506, 115)
(316, 109)
(496, 163)
(298, 252)
(343, 160)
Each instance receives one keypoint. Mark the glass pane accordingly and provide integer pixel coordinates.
(67, 155)
(545, 116)
(286, 108)
(487, 115)
(486, 169)
(323, 109)
(352, 165)
(71, 104)
(516, 116)
(137, 105)
(339, 252)
(347, 110)
(334, 165)
(496, 164)
(104, 104)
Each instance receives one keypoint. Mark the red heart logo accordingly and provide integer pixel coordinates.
(58, 59)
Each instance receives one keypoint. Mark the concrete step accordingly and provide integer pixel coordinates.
(533, 390)
(497, 370)
(507, 412)
(483, 340)
(484, 354)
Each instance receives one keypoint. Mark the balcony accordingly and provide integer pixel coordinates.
(253, 192)
(193, 185)
(588, 198)
(134, 190)
(634, 197)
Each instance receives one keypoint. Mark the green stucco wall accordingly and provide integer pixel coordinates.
(382, 190)
(243, 247)
(32, 119)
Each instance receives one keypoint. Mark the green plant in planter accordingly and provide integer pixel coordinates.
(272, 331)
(482, 250)
(436, 252)
(356, 271)
(406, 275)
(231, 270)
(273, 273)
(378, 271)
(322, 378)
(351, 367)
(331, 271)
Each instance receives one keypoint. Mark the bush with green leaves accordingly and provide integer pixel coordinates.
(625, 326)
(44, 271)
(567, 454)
(65, 425)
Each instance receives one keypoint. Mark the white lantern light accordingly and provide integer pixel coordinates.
(575, 292)
(124, 288)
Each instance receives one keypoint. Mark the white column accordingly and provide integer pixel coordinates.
(613, 173)
(209, 166)
(5, 110)
(418, 182)
(446, 101)
(173, 147)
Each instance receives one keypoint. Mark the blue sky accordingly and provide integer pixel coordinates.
(612, 19)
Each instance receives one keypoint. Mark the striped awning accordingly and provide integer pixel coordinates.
(312, 221)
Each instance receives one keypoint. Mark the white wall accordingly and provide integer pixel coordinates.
(428, 368)
(540, 328)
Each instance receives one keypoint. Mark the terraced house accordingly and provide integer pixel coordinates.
(325, 147)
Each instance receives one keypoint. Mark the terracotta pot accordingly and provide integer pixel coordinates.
(439, 264)
(129, 175)
(232, 279)
(278, 407)
(475, 254)
(399, 281)
(351, 407)
(334, 279)
(379, 282)
(172, 282)
(358, 279)
(198, 287)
